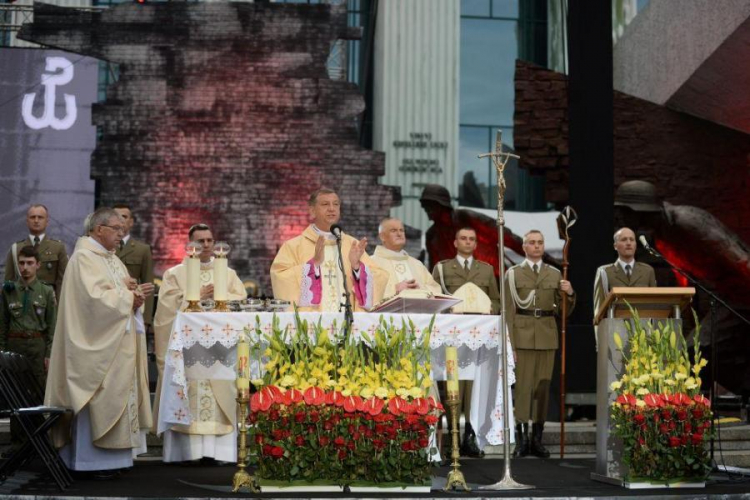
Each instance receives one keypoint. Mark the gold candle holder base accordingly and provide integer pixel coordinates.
(242, 477)
(455, 477)
(194, 306)
(221, 306)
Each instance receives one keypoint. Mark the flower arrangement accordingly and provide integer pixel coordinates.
(659, 413)
(343, 410)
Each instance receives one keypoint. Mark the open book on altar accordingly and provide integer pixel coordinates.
(416, 301)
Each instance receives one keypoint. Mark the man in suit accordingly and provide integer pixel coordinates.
(452, 274)
(534, 292)
(53, 257)
(136, 255)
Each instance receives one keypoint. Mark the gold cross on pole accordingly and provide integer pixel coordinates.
(500, 159)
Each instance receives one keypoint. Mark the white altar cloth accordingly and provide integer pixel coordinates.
(202, 346)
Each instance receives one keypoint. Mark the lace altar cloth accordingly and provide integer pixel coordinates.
(203, 346)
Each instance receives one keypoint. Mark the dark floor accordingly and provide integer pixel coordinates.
(550, 478)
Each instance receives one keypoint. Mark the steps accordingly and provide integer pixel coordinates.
(580, 442)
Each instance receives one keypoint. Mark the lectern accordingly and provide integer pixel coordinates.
(651, 304)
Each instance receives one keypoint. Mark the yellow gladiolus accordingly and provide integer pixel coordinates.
(618, 341)
(615, 385)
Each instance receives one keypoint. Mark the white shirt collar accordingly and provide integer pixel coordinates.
(97, 244)
(326, 234)
(125, 240)
(461, 260)
(40, 236)
(622, 264)
(530, 264)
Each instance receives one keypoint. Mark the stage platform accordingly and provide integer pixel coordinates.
(551, 478)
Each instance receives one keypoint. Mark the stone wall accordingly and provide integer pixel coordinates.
(691, 161)
(223, 113)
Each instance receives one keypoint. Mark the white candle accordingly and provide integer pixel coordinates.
(193, 279)
(220, 279)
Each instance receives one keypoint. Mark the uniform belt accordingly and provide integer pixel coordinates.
(25, 335)
(537, 313)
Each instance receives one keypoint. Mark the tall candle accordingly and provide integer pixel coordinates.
(193, 279)
(220, 279)
(451, 367)
(243, 356)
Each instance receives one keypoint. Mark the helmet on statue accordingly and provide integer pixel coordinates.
(437, 193)
(639, 196)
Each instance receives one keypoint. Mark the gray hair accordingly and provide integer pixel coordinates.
(387, 219)
(86, 224)
(617, 233)
(101, 217)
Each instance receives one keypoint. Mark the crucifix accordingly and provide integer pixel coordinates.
(500, 159)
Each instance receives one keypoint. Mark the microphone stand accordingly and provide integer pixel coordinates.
(713, 300)
(347, 303)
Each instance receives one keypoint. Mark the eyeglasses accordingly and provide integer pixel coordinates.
(117, 229)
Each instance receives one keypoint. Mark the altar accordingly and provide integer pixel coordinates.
(202, 346)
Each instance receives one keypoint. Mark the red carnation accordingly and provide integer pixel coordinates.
(299, 417)
(664, 429)
(378, 444)
(324, 440)
(423, 442)
(339, 441)
(328, 425)
(259, 438)
(639, 418)
(342, 454)
(674, 441)
(688, 428)
(314, 416)
(681, 415)
(666, 414)
(350, 445)
(277, 452)
(697, 413)
(300, 441)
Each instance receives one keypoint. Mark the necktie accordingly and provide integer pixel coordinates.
(627, 270)
(36, 241)
(535, 268)
(466, 265)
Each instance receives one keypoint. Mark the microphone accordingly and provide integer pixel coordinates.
(642, 239)
(336, 231)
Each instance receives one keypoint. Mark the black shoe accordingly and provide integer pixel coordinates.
(522, 441)
(469, 448)
(537, 448)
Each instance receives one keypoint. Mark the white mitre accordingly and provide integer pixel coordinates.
(474, 300)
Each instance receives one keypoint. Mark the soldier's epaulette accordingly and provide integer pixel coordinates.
(554, 269)
(484, 263)
(53, 239)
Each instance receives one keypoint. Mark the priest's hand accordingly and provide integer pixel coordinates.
(407, 284)
(207, 292)
(320, 251)
(130, 283)
(146, 289)
(138, 300)
(356, 252)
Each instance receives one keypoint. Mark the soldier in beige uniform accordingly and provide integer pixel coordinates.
(452, 274)
(52, 254)
(534, 292)
(136, 255)
(625, 271)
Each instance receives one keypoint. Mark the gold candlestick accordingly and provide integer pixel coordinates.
(455, 477)
(221, 306)
(194, 306)
(242, 477)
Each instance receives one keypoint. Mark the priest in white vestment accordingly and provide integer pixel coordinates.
(306, 270)
(404, 272)
(213, 430)
(94, 361)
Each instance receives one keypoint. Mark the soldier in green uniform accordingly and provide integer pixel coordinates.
(27, 315)
(625, 271)
(136, 256)
(534, 292)
(464, 268)
(52, 254)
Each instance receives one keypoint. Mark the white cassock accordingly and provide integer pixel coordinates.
(213, 431)
(94, 364)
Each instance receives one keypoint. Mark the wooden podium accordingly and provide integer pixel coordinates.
(651, 304)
